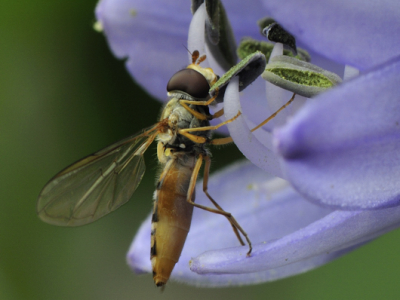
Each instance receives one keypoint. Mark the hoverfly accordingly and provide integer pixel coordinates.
(100, 183)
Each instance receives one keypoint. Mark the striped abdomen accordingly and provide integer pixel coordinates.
(172, 215)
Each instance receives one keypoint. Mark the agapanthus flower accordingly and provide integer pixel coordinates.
(334, 157)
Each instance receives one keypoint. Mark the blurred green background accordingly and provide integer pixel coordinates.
(62, 96)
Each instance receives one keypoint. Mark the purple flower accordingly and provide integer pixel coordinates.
(337, 152)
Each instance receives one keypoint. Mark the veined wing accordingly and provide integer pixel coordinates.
(97, 184)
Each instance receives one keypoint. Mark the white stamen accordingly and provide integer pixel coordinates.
(276, 96)
(350, 72)
(277, 50)
(244, 139)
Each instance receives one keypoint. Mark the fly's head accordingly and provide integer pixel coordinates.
(194, 82)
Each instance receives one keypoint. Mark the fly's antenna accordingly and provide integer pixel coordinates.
(195, 55)
(201, 59)
(196, 58)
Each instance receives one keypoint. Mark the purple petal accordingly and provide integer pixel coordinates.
(338, 231)
(343, 149)
(244, 17)
(361, 33)
(151, 37)
(272, 214)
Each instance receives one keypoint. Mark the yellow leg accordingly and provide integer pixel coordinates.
(201, 116)
(197, 114)
(218, 113)
(205, 128)
(219, 210)
(204, 103)
(274, 114)
(201, 140)
(232, 220)
(221, 141)
(194, 138)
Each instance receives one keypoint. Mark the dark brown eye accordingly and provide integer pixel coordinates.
(190, 82)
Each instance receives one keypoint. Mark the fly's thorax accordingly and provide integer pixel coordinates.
(178, 117)
(171, 118)
(168, 108)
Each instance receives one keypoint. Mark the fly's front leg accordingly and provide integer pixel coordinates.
(198, 115)
(235, 225)
(218, 114)
(207, 128)
(274, 114)
(201, 116)
(204, 103)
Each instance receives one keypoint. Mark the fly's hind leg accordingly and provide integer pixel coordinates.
(235, 225)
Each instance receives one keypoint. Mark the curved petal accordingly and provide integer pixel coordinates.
(361, 33)
(342, 149)
(149, 37)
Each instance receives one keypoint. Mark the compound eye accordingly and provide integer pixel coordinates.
(190, 82)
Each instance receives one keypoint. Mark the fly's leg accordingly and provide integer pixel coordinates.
(221, 141)
(204, 103)
(227, 140)
(218, 114)
(206, 128)
(235, 225)
(199, 115)
(201, 140)
(274, 114)
(194, 138)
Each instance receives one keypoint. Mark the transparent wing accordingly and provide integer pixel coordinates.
(97, 184)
